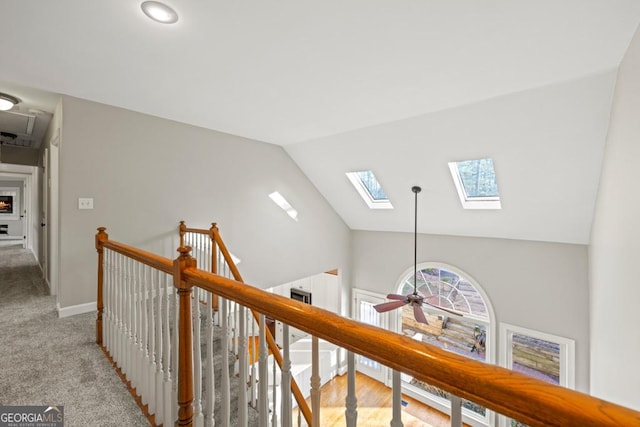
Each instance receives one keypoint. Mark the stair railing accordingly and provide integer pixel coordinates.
(518, 396)
(212, 253)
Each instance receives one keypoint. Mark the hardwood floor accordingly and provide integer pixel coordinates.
(374, 405)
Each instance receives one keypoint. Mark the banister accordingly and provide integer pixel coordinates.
(225, 252)
(144, 257)
(521, 397)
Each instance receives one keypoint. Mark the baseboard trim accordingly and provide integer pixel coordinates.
(76, 309)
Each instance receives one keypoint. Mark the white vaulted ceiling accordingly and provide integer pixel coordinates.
(398, 87)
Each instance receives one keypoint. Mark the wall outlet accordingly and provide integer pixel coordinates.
(85, 203)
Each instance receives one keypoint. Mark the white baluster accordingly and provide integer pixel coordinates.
(111, 318)
(144, 335)
(285, 413)
(150, 367)
(105, 299)
(351, 402)
(118, 332)
(242, 383)
(456, 411)
(167, 397)
(235, 330)
(130, 348)
(396, 404)
(135, 368)
(253, 390)
(209, 384)
(263, 407)
(315, 382)
(274, 396)
(197, 361)
(225, 386)
(157, 352)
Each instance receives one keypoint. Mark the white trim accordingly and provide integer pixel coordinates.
(357, 183)
(76, 309)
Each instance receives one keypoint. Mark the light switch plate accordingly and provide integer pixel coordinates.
(85, 203)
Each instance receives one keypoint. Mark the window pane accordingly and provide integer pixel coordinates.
(478, 178)
(536, 358)
(372, 185)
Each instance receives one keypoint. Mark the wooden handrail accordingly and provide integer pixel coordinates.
(152, 260)
(214, 233)
(521, 397)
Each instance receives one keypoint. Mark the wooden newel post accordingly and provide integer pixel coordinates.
(101, 237)
(185, 345)
(214, 259)
(182, 230)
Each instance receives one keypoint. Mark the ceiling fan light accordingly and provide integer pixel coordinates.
(7, 101)
(159, 12)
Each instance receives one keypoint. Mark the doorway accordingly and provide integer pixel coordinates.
(365, 313)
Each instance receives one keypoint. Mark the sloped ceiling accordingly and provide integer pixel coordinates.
(397, 87)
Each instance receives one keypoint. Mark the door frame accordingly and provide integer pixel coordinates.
(383, 373)
(25, 177)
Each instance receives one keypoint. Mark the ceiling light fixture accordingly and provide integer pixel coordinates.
(159, 12)
(7, 101)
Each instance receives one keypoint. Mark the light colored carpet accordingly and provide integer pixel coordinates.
(45, 360)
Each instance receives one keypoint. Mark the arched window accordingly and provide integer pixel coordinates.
(468, 332)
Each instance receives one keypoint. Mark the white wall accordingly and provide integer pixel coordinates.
(615, 248)
(536, 285)
(146, 173)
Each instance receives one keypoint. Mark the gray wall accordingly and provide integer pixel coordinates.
(615, 248)
(146, 173)
(535, 285)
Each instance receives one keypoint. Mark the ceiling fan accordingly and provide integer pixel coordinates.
(415, 299)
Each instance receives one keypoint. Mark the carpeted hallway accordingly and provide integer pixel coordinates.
(45, 360)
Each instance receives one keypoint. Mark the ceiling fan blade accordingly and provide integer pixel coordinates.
(397, 297)
(444, 309)
(419, 314)
(388, 306)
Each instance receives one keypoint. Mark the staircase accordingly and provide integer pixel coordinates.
(234, 386)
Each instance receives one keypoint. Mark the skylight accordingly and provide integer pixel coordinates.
(476, 183)
(279, 200)
(370, 190)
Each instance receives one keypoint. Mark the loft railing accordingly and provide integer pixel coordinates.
(132, 282)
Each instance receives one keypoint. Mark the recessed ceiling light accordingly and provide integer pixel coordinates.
(159, 12)
(7, 101)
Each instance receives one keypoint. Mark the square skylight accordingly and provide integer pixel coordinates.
(476, 183)
(370, 190)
